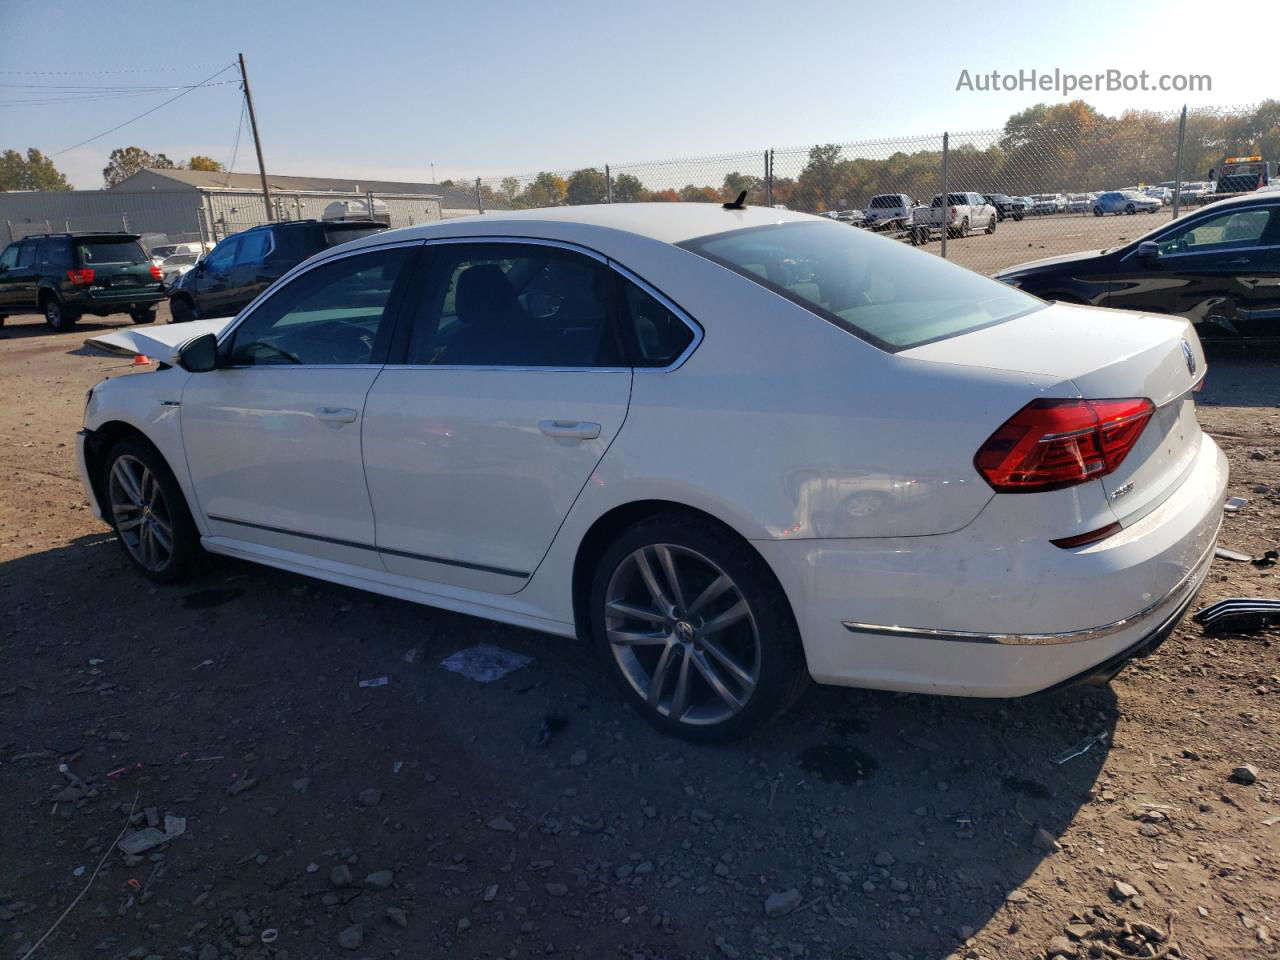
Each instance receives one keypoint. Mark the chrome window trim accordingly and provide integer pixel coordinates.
(683, 316)
(1200, 216)
(1182, 592)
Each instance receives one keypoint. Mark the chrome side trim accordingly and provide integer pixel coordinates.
(1182, 591)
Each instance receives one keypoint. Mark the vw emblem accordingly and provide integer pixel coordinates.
(684, 631)
(1190, 357)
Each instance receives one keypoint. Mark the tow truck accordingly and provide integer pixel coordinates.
(1237, 175)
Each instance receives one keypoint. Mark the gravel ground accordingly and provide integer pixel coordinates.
(319, 818)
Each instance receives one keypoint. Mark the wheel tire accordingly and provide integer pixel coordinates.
(764, 643)
(1097, 211)
(157, 500)
(964, 227)
(56, 314)
(180, 311)
(991, 224)
(1129, 209)
(143, 316)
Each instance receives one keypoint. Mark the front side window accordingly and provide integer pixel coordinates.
(223, 255)
(336, 313)
(253, 247)
(1226, 231)
(9, 259)
(876, 289)
(518, 305)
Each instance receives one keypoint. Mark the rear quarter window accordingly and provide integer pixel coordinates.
(876, 289)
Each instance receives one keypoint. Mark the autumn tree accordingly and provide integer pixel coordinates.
(545, 190)
(696, 194)
(207, 164)
(664, 196)
(586, 186)
(124, 163)
(627, 188)
(735, 183)
(35, 171)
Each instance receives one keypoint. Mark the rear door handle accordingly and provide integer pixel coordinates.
(569, 429)
(336, 414)
(1238, 260)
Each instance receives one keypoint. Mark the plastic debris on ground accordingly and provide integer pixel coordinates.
(1234, 504)
(551, 725)
(376, 682)
(1227, 554)
(1243, 614)
(1081, 748)
(485, 663)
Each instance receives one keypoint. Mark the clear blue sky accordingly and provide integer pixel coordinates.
(383, 88)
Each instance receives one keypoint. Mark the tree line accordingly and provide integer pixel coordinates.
(1068, 147)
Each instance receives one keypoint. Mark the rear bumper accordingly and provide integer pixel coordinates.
(976, 613)
(117, 299)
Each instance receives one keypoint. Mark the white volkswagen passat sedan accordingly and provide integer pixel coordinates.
(731, 448)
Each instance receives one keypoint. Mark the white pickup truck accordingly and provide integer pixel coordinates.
(962, 213)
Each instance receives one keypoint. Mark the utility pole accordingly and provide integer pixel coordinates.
(257, 142)
(1177, 176)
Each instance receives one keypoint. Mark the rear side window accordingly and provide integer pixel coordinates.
(111, 251)
(515, 305)
(27, 253)
(876, 289)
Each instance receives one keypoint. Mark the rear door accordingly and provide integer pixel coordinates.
(1206, 271)
(21, 280)
(511, 386)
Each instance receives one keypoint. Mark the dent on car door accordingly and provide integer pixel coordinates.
(1206, 270)
(511, 387)
(273, 435)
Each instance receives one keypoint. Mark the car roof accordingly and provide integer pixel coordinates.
(665, 222)
(84, 235)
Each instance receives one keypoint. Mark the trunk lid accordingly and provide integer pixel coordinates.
(118, 263)
(1105, 354)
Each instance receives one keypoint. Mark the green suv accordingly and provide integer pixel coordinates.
(67, 275)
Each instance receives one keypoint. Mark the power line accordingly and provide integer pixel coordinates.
(230, 66)
(236, 148)
(90, 97)
(99, 73)
(152, 87)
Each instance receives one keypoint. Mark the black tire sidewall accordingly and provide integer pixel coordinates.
(186, 539)
(143, 316)
(783, 673)
(66, 318)
(180, 311)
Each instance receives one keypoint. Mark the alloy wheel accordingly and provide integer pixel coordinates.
(682, 634)
(140, 512)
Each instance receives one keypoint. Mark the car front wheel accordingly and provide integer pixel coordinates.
(146, 315)
(146, 508)
(1097, 211)
(180, 311)
(991, 224)
(695, 629)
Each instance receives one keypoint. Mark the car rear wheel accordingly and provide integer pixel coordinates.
(145, 506)
(695, 630)
(146, 315)
(57, 315)
(180, 311)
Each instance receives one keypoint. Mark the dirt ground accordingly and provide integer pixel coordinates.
(417, 819)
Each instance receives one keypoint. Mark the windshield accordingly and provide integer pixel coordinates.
(882, 202)
(178, 259)
(877, 289)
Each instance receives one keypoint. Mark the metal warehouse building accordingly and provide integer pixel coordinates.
(194, 205)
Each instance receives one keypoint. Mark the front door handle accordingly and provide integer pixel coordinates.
(336, 414)
(1237, 261)
(569, 429)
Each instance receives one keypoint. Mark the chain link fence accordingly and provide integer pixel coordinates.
(1054, 179)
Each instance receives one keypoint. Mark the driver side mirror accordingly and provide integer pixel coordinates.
(199, 355)
(1149, 250)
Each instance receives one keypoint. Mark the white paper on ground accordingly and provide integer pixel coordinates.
(485, 663)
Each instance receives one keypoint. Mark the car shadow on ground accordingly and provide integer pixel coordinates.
(19, 328)
(903, 821)
(1243, 374)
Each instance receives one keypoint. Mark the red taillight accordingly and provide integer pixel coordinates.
(80, 278)
(952, 214)
(156, 274)
(1051, 444)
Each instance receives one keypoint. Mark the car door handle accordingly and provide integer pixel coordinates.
(1237, 261)
(569, 429)
(336, 414)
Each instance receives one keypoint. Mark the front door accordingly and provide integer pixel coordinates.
(512, 387)
(9, 277)
(1206, 271)
(212, 281)
(273, 437)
